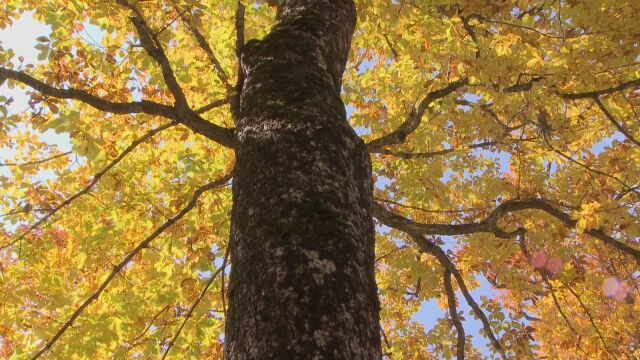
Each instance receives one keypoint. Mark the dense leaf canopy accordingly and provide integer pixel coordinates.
(505, 139)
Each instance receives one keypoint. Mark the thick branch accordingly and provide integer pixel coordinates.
(117, 268)
(489, 225)
(99, 103)
(414, 118)
(94, 181)
(190, 119)
(453, 312)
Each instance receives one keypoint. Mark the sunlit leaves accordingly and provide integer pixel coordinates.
(556, 292)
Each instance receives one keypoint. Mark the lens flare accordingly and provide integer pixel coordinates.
(539, 259)
(554, 265)
(615, 289)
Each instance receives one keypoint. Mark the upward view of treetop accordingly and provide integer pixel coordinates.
(299, 179)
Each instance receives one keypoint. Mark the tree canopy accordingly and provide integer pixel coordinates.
(505, 141)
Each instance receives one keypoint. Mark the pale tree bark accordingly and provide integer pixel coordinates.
(302, 282)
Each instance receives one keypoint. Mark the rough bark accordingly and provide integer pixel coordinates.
(302, 283)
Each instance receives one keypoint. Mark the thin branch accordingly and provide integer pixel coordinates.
(38, 161)
(239, 29)
(132, 342)
(596, 93)
(564, 316)
(117, 268)
(23, 211)
(191, 309)
(212, 105)
(588, 313)
(430, 154)
(626, 186)
(204, 44)
(467, 26)
(386, 340)
(453, 312)
(615, 123)
(153, 47)
(523, 247)
(94, 181)
(225, 262)
(456, 211)
(414, 118)
(239, 25)
(398, 249)
(444, 260)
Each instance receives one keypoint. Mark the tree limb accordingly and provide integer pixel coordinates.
(453, 312)
(117, 268)
(444, 260)
(190, 119)
(489, 224)
(414, 118)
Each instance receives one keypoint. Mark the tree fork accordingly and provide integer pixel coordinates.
(302, 282)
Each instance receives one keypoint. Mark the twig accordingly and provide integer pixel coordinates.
(38, 161)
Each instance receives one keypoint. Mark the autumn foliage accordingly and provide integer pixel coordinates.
(505, 140)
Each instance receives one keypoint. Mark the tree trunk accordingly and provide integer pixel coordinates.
(302, 282)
